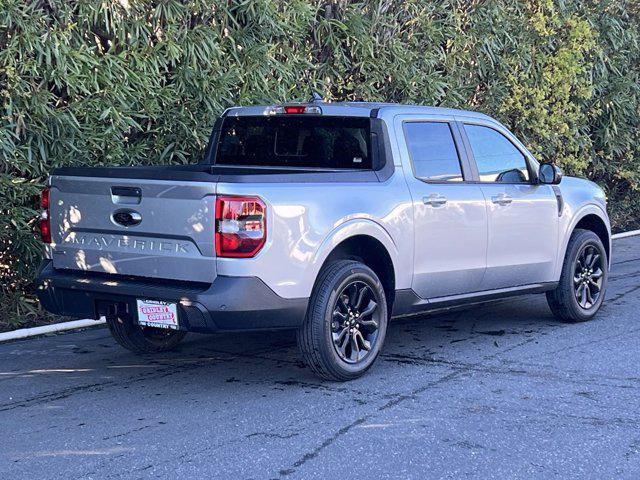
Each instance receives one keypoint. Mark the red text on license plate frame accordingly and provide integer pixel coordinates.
(156, 313)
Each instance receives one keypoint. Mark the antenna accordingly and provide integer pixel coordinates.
(315, 97)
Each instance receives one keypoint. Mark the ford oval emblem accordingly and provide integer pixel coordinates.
(126, 218)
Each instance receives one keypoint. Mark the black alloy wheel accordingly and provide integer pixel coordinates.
(580, 291)
(346, 322)
(355, 322)
(588, 275)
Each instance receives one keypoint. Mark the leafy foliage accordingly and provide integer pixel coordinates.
(123, 82)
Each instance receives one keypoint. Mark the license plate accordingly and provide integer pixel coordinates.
(153, 313)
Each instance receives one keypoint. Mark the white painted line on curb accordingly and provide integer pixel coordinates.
(56, 327)
(625, 234)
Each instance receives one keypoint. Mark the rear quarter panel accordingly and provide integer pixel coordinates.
(305, 222)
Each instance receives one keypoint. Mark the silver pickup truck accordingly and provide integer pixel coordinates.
(328, 218)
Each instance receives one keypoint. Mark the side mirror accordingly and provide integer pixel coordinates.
(549, 174)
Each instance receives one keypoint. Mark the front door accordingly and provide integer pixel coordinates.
(523, 215)
(450, 220)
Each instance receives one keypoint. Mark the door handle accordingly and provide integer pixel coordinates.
(502, 199)
(435, 200)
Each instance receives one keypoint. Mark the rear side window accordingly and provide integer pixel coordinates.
(497, 158)
(295, 141)
(433, 151)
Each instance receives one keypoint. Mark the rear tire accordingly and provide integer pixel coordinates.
(140, 339)
(346, 321)
(581, 290)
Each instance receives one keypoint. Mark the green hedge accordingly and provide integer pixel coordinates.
(140, 82)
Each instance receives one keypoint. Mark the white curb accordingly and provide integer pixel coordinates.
(625, 234)
(56, 327)
(61, 327)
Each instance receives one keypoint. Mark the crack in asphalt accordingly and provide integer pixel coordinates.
(398, 398)
(623, 276)
(272, 435)
(594, 341)
(622, 262)
(634, 449)
(186, 456)
(47, 397)
(578, 378)
(619, 296)
(129, 432)
(169, 370)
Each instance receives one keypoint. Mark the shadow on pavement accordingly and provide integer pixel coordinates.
(465, 334)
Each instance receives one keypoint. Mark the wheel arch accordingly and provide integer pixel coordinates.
(593, 218)
(367, 242)
(598, 226)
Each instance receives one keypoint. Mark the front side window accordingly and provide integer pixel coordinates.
(498, 159)
(433, 151)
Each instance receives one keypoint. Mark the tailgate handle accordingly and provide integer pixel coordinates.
(126, 195)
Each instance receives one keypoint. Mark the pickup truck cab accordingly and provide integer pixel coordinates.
(328, 218)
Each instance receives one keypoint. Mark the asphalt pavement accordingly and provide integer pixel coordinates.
(495, 391)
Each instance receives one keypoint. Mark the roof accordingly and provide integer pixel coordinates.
(357, 109)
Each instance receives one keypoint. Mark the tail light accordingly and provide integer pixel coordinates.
(241, 226)
(45, 220)
(295, 109)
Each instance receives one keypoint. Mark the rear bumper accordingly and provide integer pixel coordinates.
(229, 303)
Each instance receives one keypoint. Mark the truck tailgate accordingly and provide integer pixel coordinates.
(146, 228)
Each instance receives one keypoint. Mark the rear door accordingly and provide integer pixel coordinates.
(523, 215)
(450, 220)
(139, 227)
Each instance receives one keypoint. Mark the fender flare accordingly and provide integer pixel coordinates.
(352, 228)
(589, 209)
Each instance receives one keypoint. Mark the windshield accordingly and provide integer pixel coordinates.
(295, 141)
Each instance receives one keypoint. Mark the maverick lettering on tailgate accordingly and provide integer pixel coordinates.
(102, 242)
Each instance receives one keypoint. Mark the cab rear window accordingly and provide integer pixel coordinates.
(295, 141)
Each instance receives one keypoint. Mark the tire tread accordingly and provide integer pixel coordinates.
(309, 337)
(131, 337)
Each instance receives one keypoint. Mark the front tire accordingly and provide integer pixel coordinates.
(581, 290)
(140, 339)
(346, 321)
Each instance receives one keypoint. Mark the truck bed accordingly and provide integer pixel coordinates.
(175, 205)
